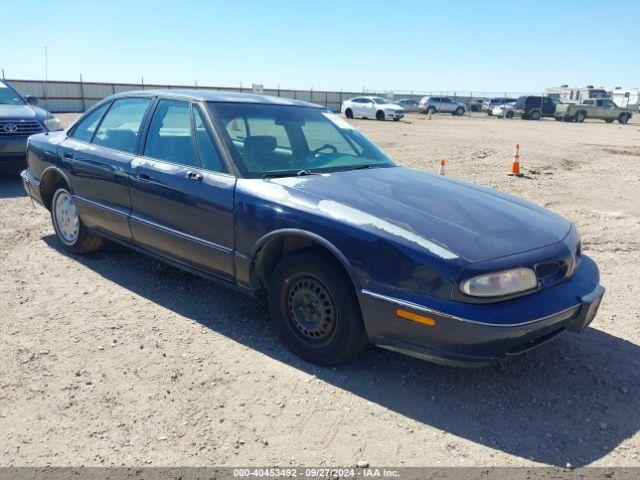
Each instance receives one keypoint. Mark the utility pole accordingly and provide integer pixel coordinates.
(46, 63)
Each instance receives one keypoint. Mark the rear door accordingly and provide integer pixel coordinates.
(182, 197)
(97, 157)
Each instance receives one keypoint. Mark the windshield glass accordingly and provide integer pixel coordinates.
(8, 96)
(380, 100)
(279, 140)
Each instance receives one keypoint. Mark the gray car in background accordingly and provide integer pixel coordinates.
(20, 118)
(441, 105)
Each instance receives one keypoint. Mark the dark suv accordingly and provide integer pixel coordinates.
(19, 118)
(531, 107)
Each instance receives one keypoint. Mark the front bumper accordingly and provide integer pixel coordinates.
(477, 340)
(13, 153)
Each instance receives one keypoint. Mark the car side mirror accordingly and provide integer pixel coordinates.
(32, 100)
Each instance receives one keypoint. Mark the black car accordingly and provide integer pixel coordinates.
(532, 107)
(19, 118)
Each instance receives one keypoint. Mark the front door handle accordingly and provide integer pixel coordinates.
(194, 175)
(68, 156)
(143, 176)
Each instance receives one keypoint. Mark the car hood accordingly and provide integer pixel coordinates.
(449, 218)
(22, 112)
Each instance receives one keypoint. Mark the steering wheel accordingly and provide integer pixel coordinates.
(326, 146)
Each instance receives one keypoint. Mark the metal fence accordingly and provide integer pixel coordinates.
(68, 96)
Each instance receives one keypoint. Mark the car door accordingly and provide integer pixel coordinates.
(182, 197)
(446, 105)
(97, 157)
(357, 107)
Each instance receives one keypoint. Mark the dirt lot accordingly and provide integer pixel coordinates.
(116, 359)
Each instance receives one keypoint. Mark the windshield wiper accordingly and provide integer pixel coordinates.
(288, 173)
(359, 167)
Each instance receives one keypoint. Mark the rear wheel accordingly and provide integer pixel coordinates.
(459, 111)
(348, 113)
(623, 118)
(580, 116)
(314, 309)
(509, 114)
(379, 115)
(608, 120)
(534, 115)
(69, 228)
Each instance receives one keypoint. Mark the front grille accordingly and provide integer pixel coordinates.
(14, 128)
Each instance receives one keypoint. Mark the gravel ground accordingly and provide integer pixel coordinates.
(117, 359)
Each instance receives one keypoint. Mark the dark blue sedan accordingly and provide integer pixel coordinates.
(285, 198)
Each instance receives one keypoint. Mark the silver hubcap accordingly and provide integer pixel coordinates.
(67, 219)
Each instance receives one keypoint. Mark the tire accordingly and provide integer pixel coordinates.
(431, 110)
(302, 283)
(608, 120)
(558, 119)
(396, 119)
(71, 231)
(379, 115)
(580, 116)
(623, 118)
(534, 115)
(459, 111)
(509, 115)
(348, 113)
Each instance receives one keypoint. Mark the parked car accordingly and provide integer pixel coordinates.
(531, 107)
(600, 108)
(494, 102)
(475, 105)
(19, 118)
(506, 110)
(280, 196)
(441, 105)
(371, 107)
(408, 104)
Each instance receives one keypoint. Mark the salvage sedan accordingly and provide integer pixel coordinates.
(285, 198)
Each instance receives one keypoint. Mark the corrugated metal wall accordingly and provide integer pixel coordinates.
(61, 96)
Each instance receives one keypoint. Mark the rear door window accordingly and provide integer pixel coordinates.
(169, 136)
(120, 127)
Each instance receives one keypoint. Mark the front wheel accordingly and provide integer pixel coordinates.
(608, 120)
(431, 110)
(459, 111)
(509, 115)
(535, 115)
(580, 117)
(379, 115)
(314, 309)
(348, 113)
(69, 227)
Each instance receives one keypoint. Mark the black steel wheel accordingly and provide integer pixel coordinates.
(314, 308)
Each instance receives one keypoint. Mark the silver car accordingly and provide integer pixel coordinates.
(441, 105)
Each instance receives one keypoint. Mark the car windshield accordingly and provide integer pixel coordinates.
(380, 100)
(282, 140)
(8, 96)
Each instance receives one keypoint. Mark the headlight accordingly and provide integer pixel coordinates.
(53, 124)
(500, 283)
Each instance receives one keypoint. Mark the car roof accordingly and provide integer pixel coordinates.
(214, 96)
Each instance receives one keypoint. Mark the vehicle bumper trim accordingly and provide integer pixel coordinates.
(431, 311)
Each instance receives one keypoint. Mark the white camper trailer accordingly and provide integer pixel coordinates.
(626, 97)
(567, 94)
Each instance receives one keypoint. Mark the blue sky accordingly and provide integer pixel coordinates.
(402, 45)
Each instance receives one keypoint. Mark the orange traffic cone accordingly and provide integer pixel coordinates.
(441, 167)
(515, 165)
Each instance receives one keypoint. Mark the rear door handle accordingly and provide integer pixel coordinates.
(194, 175)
